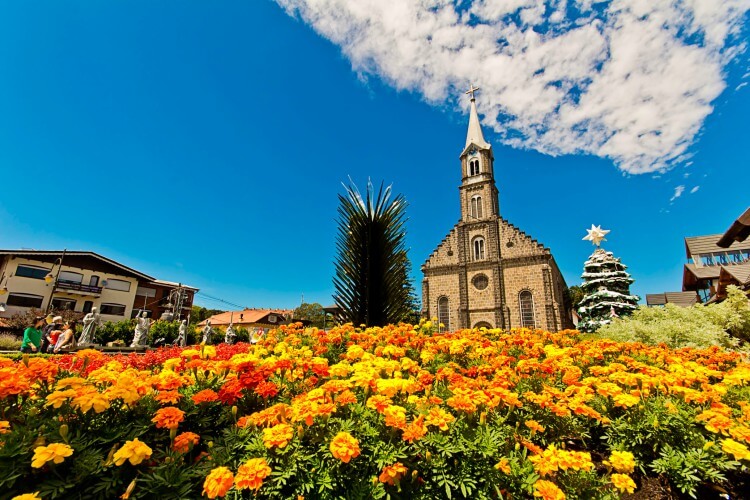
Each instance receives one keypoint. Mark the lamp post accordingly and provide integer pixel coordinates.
(49, 279)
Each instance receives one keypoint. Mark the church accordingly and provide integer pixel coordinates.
(486, 272)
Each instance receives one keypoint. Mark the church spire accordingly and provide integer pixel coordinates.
(474, 135)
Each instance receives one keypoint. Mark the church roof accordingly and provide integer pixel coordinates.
(474, 134)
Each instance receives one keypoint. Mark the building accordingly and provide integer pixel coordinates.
(69, 280)
(738, 231)
(159, 298)
(249, 319)
(486, 272)
(681, 299)
(706, 259)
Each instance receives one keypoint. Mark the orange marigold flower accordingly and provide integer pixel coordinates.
(346, 398)
(251, 474)
(534, 425)
(415, 430)
(278, 435)
(392, 474)
(503, 465)
(548, 490)
(439, 418)
(218, 482)
(168, 418)
(4, 427)
(205, 396)
(395, 416)
(378, 403)
(134, 451)
(54, 452)
(183, 442)
(344, 447)
(171, 397)
(623, 482)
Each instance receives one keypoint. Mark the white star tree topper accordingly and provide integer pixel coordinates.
(596, 235)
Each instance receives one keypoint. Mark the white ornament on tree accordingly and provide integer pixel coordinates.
(596, 235)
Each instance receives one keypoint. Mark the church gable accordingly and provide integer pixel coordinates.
(516, 243)
(446, 253)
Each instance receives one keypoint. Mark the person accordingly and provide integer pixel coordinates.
(67, 339)
(32, 336)
(90, 323)
(142, 325)
(48, 340)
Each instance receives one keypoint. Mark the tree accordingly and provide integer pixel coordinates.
(198, 314)
(372, 267)
(310, 312)
(606, 286)
(701, 326)
(572, 297)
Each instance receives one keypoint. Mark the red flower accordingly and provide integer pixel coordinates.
(266, 389)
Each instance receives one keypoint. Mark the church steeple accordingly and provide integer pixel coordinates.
(474, 134)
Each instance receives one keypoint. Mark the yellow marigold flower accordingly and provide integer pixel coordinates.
(503, 465)
(190, 353)
(27, 496)
(344, 447)
(54, 452)
(392, 474)
(626, 400)
(168, 418)
(4, 427)
(278, 435)
(208, 352)
(621, 461)
(548, 490)
(623, 482)
(534, 425)
(251, 474)
(135, 451)
(732, 447)
(218, 482)
(58, 398)
(91, 399)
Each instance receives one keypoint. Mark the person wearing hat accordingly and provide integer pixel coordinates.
(51, 332)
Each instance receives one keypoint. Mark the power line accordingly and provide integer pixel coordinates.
(209, 297)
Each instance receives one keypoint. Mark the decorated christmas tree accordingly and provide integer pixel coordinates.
(606, 286)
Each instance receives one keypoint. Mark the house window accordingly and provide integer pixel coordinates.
(94, 281)
(59, 304)
(87, 306)
(113, 309)
(479, 248)
(474, 167)
(70, 277)
(483, 324)
(25, 300)
(444, 316)
(526, 302)
(121, 285)
(707, 259)
(146, 292)
(35, 272)
(476, 207)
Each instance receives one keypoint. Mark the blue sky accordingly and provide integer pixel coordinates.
(206, 142)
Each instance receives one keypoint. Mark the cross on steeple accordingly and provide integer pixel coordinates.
(471, 90)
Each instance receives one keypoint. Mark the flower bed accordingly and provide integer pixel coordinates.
(369, 413)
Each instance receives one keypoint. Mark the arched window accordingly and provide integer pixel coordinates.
(483, 324)
(444, 315)
(474, 167)
(526, 302)
(479, 248)
(476, 207)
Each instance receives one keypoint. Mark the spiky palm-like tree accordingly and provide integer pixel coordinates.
(372, 268)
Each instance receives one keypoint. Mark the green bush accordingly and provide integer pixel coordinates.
(724, 324)
(9, 342)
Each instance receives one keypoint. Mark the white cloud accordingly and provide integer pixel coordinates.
(677, 192)
(695, 189)
(631, 80)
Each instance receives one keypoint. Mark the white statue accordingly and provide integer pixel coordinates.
(90, 323)
(207, 332)
(229, 336)
(182, 334)
(142, 326)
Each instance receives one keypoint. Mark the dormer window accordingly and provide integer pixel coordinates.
(474, 167)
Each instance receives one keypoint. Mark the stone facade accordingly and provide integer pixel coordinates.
(487, 272)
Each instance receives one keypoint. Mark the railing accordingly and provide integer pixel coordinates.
(71, 285)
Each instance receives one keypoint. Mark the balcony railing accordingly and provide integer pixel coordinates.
(78, 287)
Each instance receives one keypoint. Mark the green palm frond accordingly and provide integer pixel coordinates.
(372, 267)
